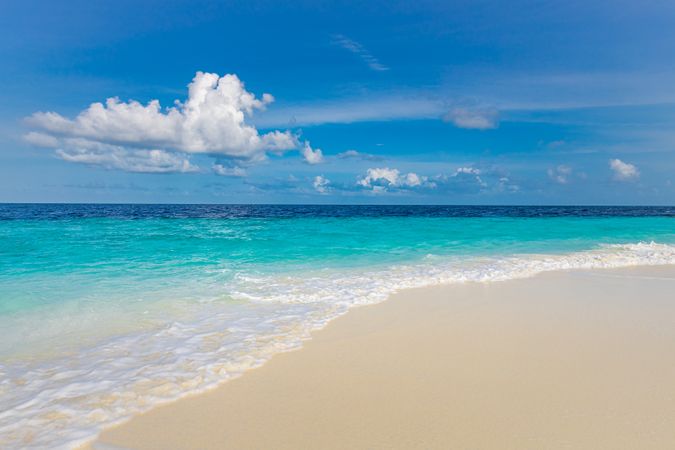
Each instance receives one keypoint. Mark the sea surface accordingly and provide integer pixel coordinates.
(106, 310)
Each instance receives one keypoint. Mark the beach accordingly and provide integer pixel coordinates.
(368, 225)
(109, 312)
(580, 359)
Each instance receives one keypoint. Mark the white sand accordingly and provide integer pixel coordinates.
(566, 360)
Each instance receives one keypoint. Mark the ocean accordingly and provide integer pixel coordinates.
(107, 310)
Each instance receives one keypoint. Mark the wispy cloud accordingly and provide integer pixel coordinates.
(482, 100)
(357, 109)
(353, 154)
(359, 50)
(478, 119)
(560, 174)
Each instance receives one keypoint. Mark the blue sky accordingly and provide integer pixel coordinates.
(482, 102)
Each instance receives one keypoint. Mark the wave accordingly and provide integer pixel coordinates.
(359, 287)
(64, 403)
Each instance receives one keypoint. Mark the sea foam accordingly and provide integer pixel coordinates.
(65, 402)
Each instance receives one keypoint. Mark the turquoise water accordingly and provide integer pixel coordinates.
(128, 306)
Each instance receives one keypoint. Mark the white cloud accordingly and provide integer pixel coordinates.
(560, 174)
(412, 180)
(471, 173)
(381, 179)
(321, 184)
(471, 180)
(360, 51)
(226, 171)
(623, 171)
(505, 184)
(117, 157)
(349, 154)
(416, 105)
(311, 156)
(461, 179)
(213, 120)
(41, 140)
(465, 180)
(479, 119)
(383, 175)
(466, 170)
(353, 154)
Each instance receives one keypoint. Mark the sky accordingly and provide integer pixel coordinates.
(396, 102)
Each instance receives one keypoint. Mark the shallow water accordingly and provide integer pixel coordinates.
(106, 310)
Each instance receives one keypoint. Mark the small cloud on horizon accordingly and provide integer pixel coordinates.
(321, 184)
(560, 174)
(383, 178)
(623, 171)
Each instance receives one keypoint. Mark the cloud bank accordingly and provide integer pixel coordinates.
(461, 180)
(137, 137)
(384, 178)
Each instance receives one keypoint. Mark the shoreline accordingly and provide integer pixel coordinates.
(267, 406)
(134, 376)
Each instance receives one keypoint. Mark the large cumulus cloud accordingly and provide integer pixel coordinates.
(211, 121)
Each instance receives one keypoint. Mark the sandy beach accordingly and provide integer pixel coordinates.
(564, 360)
(369, 225)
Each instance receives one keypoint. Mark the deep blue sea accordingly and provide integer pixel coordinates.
(106, 310)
